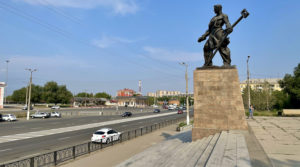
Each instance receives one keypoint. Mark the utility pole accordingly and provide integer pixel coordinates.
(26, 103)
(187, 95)
(28, 106)
(85, 97)
(248, 84)
(7, 61)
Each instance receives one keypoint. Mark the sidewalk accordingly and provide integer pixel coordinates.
(270, 141)
(280, 138)
(116, 154)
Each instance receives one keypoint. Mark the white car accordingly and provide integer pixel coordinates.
(55, 107)
(106, 135)
(55, 114)
(9, 117)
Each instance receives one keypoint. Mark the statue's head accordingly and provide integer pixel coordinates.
(218, 9)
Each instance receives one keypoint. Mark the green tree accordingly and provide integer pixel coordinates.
(261, 98)
(84, 94)
(64, 95)
(54, 93)
(164, 98)
(291, 86)
(36, 94)
(102, 95)
(281, 100)
(19, 95)
(150, 101)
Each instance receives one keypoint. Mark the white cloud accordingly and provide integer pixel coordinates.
(106, 41)
(118, 6)
(172, 55)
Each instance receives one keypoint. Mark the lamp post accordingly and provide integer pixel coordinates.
(186, 91)
(248, 84)
(28, 106)
(7, 61)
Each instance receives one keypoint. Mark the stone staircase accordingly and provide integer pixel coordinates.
(226, 149)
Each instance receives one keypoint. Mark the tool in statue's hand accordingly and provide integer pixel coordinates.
(244, 14)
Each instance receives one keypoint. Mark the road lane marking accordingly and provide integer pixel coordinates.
(4, 139)
(6, 150)
(64, 138)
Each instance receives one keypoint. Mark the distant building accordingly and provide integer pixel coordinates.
(161, 93)
(2, 88)
(151, 94)
(134, 101)
(126, 92)
(174, 102)
(259, 84)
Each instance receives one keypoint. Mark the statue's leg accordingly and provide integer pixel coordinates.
(225, 54)
(207, 53)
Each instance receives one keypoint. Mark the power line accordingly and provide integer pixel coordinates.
(59, 12)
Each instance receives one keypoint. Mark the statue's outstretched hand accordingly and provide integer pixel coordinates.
(202, 38)
(229, 30)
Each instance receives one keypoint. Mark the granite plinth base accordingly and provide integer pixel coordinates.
(218, 103)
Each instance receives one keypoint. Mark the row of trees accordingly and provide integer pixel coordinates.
(91, 95)
(266, 99)
(51, 92)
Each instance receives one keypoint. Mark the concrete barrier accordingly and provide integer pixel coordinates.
(291, 112)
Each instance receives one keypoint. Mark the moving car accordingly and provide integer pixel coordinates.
(126, 114)
(40, 115)
(55, 114)
(25, 107)
(9, 117)
(180, 111)
(105, 135)
(156, 111)
(55, 107)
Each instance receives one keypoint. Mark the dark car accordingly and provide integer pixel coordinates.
(0, 117)
(126, 114)
(156, 111)
(180, 112)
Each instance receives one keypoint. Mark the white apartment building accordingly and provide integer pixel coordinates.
(161, 93)
(256, 84)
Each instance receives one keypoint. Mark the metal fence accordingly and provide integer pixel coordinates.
(59, 156)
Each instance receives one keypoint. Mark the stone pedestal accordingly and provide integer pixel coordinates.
(218, 103)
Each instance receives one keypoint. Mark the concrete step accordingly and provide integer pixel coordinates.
(157, 154)
(207, 152)
(201, 148)
(179, 155)
(190, 155)
(230, 151)
(217, 154)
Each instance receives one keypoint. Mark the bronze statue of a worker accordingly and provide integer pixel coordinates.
(217, 38)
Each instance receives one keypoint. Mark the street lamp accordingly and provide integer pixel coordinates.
(28, 106)
(7, 61)
(248, 84)
(186, 91)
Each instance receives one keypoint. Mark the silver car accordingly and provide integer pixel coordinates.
(55, 114)
(40, 115)
(9, 117)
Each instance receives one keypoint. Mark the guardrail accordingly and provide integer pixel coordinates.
(69, 153)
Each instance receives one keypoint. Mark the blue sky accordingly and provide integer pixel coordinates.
(107, 45)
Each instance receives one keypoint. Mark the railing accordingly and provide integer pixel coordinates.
(59, 156)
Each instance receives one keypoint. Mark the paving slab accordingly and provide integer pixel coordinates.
(279, 138)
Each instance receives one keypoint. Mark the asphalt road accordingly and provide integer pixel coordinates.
(21, 149)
